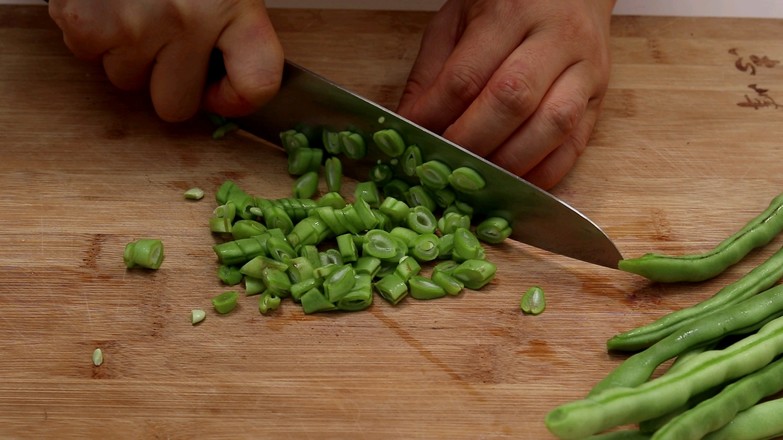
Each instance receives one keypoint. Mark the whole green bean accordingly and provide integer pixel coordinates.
(757, 280)
(619, 406)
(716, 412)
(708, 328)
(699, 267)
(759, 422)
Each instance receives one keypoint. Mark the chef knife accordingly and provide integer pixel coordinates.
(311, 103)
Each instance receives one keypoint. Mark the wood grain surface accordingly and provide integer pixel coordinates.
(687, 149)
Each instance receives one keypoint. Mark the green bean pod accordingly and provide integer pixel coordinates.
(699, 267)
(707, 328)
(145, 252)
(306, 185)
(759, 422)
(333, 173)
(757, 280)
(619, 406)
(389, 142)
(242, 250)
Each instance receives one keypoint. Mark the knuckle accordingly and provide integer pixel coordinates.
(464, 83)
(563, 115)
(512, 93)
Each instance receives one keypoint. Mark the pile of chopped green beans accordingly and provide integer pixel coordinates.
(727, 352)
(335, 251)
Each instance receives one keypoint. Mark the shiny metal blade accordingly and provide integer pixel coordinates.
(311, 103)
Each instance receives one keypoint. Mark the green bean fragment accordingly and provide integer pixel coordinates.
(421, 196)
(279, 249)
(194, 194)
(451, 221)
(276, 281)
(493, 230)
(757, 280)
(302, 287)
(355, 300)
(421, 220)
(247, 228)
(389, 142)
(619, 406)
(379, 244)
(331, 142)
(407, 268)
(396, 188)
(448, 283)
(255, 267)
(397, 210)
(411, 158)
(424, 288)
(310, 231)
(331, 256)
(706, 329)
(229, 275)
(197, 315)
(392, 288)
(347, 248)
(311, 253)
(224, 129)
(351, 218)
(253, 286)
(475, 274)
(433, 174)
(466, 180)
(759, 422)
(275, 217)
(699, 267)
(444, 197)
(368, 191)
(333, 173)
(306, 185)
(97, 357)
(300, 269)
(242, 250)
(220, 225)
(314, 301)
(407, 235)
(533, 301)
(268, 302)
(715, 412)
(381, 173)
(466, 246)
(304, 160)
(353, 144)
(333, 200)
(425, 247)
(145, 252)
(446, 246)
(447, 267)
(339, 283)
(293, 140)
(225, 302)
(367, 265)
(323, 272)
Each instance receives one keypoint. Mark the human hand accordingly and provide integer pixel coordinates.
(519, 82)
(166, 45)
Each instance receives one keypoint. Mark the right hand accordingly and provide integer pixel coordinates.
(166, 45)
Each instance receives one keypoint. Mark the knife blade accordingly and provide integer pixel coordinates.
(311, 103)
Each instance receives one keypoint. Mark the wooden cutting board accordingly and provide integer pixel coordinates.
(687, 149)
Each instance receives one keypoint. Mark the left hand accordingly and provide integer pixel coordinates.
(519, 81)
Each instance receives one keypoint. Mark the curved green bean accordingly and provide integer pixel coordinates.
(619, 406)
(757, 280)
(760, 422)
(708, 328)
(699, 267)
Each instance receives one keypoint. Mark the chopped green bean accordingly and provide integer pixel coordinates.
(389, 142)
(446, 267)
(304, 160)
(97, 357)
(306, 185)
(366, 216)
(194, 194)
(379, 244)
(425, 247)
(331, 142)
(407, 268)
(446, 246)
(276, 281)
(255, 267)
(444, 197)
(268, 302)
(424, 288)
(397, 210)
(381, 173)
(533, 301)
(254, 286)
(292, 140)
(333, 200)
(411, 158)
(221, 131)
(466, 246)
(407, 235)
(339, 283)
(246, 228)
(353, 144)
(229, 275)
(220, 225)
(448, 283)
(392, 288)
(355, 300)
(145, 252)
(331, 256)
(333, 173)
(493, 230)
(280, 250)
(466, 180)
(420, 196)
(475, 274)
(368, 192)
(196, 316)
(242, 250)
(300, 269)
(433, 174)
(351, 218)
(347, 247)
(310, 231)
(396, 188)
(311, 253)
(302, 287)
(367, 265)
(323, 272)
(451, 221)
(275, 217)
(225, 302)
(421, 220)
(314, 301)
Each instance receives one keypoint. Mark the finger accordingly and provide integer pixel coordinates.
(438, 41)
(557, 164)
(178, 78)
(514, 93)
(88, 27)
(253, 59)
(128, 71)
(559, 113)
(487, 40)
